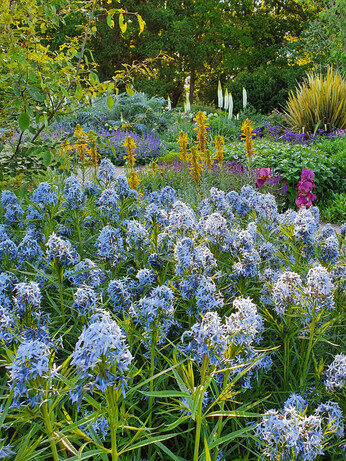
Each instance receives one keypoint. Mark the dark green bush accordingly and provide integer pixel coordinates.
(267, 88)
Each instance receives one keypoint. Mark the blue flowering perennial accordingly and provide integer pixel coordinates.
(290, 434)
(108, 205)
(266, 208)
(86, 273)
(166, 197)
(28, 298)
(100, 426)
(336, 373)
(86, 300)
(207, 297)
(287, 292)
(320, 288)
(8, 251)
(343, 230)
(217, 229)
(31, 362)
(207, 338)
(146, 277)
(245, 325)
(248, 265)
(110, 244)
(119, 294)
(193, 259)
(153, 214)
(106, 172)
(7, 326)
(216, 202)
(155, 312)
(136, 235)
(102, 350)
(73, 193)
(61, 251)
(6, 450)
(29, 250)
(4, 235)
(122, 188)
(8, 198)
(91, 188)
(44, 196)
(182, 219)
(304, 228)
(329, 249)
(238, 204)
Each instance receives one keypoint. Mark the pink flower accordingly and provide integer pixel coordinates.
(262, 175)
(307, 174)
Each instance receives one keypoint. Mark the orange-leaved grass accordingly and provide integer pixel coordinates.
(247, 135)
(183, 142)
(219, 144)
(201, 120)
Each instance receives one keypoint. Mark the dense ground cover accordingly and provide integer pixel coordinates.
(198, 323)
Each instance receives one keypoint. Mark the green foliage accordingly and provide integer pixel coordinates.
(138, 112)
(319, 102)
(289, 160)
(335, 209)
(267, 87)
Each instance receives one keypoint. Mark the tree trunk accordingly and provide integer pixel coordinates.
(192, 84)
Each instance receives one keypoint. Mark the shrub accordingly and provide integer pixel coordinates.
(319, 102)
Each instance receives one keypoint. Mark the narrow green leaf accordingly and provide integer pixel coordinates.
(207, 452)
(169, 453)
(110, 21)
(151, 440)
(176, 394)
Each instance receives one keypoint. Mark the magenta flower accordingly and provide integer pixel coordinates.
(305, 186)
(307, 174)
(262, 175)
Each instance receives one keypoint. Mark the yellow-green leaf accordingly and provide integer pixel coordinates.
(141, 23)
(122, 23)
(110, 102)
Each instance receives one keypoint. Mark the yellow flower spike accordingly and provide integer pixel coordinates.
(133, 180)
(153, 166)
(81, 145)
(130, 146)
(92, 149)
(219, 144)
(183, 142)
(196, 166)
(201, 119)
(247, 135)
(208, 159)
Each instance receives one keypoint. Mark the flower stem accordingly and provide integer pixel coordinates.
(49, 430)
(112, 419)
(198, 429)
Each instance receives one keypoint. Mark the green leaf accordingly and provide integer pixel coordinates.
(229, 437)
(89, 454)
(168, 452)
(176, 394)
(207, 452)
(129, 90)
(122, 23)
(149, 441)
(23, 121)
(110, 102)
(37, 94)
(110, 21)
(47, 158)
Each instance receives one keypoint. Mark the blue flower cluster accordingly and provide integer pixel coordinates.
(292, 432)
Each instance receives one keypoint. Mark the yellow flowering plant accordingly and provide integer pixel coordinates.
(219, 144)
